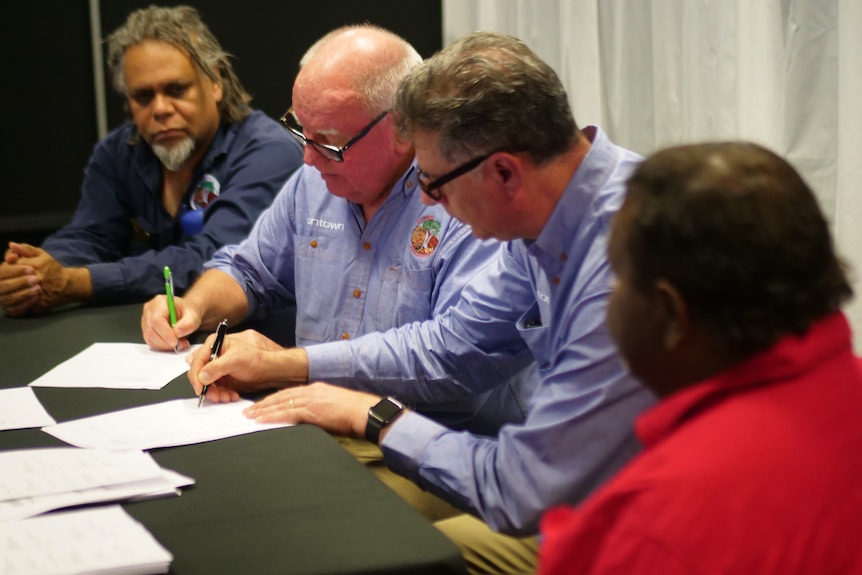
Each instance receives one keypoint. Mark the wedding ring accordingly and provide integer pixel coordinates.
(290, 402)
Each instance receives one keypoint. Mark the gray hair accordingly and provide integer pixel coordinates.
(487, 92)
(181, 26)
(375, 81)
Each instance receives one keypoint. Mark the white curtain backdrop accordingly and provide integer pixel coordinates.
(784, 73)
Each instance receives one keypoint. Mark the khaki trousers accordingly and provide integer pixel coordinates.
(431, 506)
(485, 551)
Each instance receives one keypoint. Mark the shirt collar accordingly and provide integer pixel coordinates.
(408, 183)
(787, 359)
(222, 142)
(588, 181)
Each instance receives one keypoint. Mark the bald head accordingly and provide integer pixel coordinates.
(365, 62)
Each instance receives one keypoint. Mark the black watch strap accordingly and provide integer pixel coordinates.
(381, 415)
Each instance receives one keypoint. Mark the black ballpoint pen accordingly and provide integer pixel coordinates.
(215, 350)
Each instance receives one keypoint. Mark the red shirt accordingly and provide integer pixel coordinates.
(755, 471)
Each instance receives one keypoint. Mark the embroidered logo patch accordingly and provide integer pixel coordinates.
(425, 237)
(207, 191)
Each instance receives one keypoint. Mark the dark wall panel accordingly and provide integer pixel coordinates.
(49, 124)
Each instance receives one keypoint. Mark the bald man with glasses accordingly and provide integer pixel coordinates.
(499, 148)
(350, 242)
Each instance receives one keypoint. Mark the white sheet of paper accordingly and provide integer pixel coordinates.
(117, 365)
(102, 539)
(48, 470)
(167, 484)
(166, 424)
(20, 409)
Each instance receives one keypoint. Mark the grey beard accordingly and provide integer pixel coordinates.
(175, 158)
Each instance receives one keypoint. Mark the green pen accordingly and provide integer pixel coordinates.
(172, 310)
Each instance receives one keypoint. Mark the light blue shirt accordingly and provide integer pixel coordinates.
(550, 294)
(348, 278)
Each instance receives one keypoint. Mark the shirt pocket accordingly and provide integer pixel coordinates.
(318, 275)
(534, 333)
(142, 237)
(405, 296)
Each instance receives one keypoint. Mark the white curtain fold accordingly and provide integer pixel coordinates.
(783, 73)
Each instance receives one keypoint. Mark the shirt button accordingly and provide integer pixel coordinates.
(313, 243)
(564, 256)
(357, 293)
(345, 335)
(555, 281)
(409, 184)
(366, 246)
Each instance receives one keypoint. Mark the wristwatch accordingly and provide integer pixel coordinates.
(381, 415)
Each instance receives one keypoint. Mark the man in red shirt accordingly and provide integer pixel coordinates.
(727, 305)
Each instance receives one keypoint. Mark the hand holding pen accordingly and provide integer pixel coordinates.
(214, 353)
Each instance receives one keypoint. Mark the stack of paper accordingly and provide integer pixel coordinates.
(38, 480)
(99, 540)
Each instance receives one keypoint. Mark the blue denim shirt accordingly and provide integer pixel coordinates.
(124, 236)
(348, 277)
(550, 296)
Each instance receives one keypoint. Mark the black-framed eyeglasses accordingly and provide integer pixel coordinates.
(329, 151)
(432, 188)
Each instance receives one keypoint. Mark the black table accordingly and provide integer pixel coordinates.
(287, 500)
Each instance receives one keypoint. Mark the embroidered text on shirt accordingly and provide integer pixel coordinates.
(324, 224)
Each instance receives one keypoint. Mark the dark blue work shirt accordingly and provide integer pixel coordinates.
(122, 232)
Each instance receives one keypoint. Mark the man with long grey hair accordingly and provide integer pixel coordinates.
(191, 172)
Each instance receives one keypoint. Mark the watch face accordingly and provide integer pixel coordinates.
(386, 410)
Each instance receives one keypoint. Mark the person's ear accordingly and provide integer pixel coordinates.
(218, 86)
(401, 144)
(507, 172)
(675, 313)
